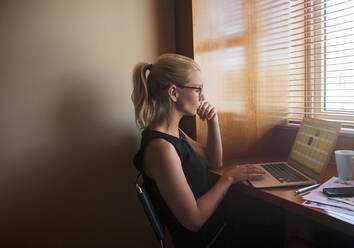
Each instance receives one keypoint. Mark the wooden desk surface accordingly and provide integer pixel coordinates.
(288, 200)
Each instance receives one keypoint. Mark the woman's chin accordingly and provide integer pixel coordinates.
(191, 113)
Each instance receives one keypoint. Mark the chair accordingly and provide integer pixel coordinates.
(153, 218)
(150, 212)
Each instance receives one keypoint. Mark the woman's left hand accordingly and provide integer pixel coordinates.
(206, 111)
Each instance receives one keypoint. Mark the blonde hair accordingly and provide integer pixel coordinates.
(149, 95)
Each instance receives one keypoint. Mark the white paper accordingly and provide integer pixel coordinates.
(344, 217)
(318, 196)
(330, 208)
(347, 200)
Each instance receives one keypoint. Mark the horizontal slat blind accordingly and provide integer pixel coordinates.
(220, 48)
(278, 59)
(321, 60)
(271, 54)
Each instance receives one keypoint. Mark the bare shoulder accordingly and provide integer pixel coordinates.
(159, 156)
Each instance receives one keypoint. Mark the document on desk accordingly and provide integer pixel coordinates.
(339, 207)
(348, 200)
(341, 216)
(318, 196)
(339, 213)
(326, 207)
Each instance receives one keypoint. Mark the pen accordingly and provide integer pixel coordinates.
(307, 188)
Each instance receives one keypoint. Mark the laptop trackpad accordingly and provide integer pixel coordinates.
(266, 180)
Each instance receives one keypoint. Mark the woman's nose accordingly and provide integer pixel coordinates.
(201, 96)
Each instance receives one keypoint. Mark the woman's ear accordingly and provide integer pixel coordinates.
(172, 92)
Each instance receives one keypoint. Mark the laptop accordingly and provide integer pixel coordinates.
(308, 159)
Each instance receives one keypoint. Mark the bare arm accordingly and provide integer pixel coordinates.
(212, 152)
(214, 145)
(162, 164)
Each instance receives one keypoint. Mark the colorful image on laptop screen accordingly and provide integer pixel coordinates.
(312, 145)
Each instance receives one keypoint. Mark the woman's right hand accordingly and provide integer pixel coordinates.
(243, 172)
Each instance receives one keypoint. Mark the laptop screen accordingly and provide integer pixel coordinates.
(314, 144)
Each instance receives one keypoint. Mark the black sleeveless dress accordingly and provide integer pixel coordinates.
(200, 180)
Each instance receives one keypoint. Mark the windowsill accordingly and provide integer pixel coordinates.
(345, 132)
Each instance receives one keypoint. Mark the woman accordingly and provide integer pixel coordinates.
(174, 166)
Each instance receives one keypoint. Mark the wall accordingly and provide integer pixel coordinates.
(67, 123)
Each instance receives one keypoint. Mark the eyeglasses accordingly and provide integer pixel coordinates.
(199, 89)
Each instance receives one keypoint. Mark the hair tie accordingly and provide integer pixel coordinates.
(149, 67)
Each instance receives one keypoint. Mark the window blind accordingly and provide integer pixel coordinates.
(271, 55)
(278, 60)
(321, 60)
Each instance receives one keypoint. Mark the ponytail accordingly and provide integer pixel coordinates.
(140, 95)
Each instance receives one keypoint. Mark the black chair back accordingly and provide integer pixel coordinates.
(150, 212)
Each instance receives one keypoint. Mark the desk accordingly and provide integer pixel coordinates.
(288, 200)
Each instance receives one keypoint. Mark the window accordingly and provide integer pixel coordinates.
(321, 76)
(269, 62)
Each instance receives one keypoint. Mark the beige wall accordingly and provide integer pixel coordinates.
(67, 126)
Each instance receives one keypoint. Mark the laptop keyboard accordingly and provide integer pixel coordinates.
(283, 173)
